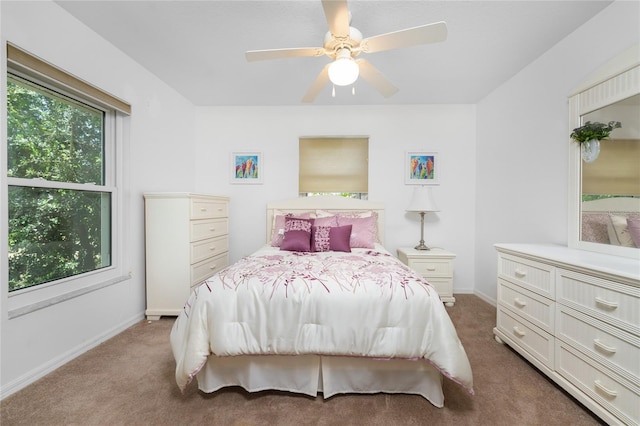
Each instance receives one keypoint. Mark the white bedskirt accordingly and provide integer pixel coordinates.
(331, 375)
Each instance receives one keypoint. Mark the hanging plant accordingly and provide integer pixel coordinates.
(594, 131)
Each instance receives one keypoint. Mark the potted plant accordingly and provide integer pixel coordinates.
(589, 136)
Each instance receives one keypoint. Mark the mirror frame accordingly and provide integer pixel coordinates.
(616, 80)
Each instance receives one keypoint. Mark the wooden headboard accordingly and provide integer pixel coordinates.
(330, 203)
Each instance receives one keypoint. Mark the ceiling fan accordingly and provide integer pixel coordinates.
(343, 43)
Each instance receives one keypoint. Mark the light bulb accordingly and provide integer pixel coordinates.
(344, 70)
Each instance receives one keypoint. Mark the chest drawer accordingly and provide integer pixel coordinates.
(533, 339)
(434, 268)
(533, 307)
(205, 269)
(614, 393)
(202, 208)
(534, 276)
(605, 300)
(203, 229)
(614, 348)
(205, 249)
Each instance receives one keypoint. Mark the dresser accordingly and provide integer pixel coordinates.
(435, 266)
(575, 315)
(186, 242)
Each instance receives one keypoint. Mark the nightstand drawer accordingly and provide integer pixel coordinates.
(432, 268)
(535, 276)
(443, 287)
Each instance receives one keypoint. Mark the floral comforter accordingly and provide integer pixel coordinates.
(364, 304)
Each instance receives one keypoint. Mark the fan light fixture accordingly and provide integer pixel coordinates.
(344, 70)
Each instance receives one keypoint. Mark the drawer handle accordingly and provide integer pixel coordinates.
(212, 267)
(431, 268)
(610, 393)
(519, 303)
(603, 347)
(203, 209)
(518, 332)
(520, 273)
(212, 248)
(212, 229)
(608, 305)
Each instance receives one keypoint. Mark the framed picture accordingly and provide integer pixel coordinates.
(422, 168)
(247, 167)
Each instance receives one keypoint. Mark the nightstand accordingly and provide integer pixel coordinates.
(435, 266)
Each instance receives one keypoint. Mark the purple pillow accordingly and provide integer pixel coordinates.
(363, 230)
(297, 234)
(278, 227)
(330, 238)
(633, 224)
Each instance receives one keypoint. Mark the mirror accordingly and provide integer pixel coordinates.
(604, 204)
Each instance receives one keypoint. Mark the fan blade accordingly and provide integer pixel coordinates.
(431, 33)
(296, 52)
(318, 85)
(371, 75)
(337, 15)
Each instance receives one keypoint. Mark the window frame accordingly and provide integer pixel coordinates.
(30, 299)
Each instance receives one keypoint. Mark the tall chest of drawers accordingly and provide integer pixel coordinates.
(186, 241)
(576, 316)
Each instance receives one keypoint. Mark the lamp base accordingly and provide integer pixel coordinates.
(421, 246)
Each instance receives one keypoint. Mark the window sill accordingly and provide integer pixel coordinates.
(32, 307)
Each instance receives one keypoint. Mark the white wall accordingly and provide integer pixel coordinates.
(523, 140)
(446, 129)
(159, 157)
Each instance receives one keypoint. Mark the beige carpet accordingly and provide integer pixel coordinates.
(128, 380)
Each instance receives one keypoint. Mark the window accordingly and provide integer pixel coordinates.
(334, 166)
(63, 182)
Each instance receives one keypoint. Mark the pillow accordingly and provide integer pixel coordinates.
(619, 234)
(277, 230)
(326, 221)
(633, 225)
(331, 238)
(362, 214)
(297, 234)
(363, 230)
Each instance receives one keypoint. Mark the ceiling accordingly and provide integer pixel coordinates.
(197, 47)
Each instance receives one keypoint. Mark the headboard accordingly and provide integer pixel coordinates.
(597, 217)
(330, 203)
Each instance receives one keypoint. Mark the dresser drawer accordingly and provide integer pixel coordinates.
(533, 307)
(430, 268)
(615, 394)
(205, 269)
(532, 339)
(608, 301)
(614, 348)
(203, 229)
(205, 249)
(202, 208)
(535, 276)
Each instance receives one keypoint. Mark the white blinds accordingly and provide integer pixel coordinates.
(334, 164)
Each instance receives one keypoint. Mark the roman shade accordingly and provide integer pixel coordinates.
(25, 62)
(334, 164)
(616, 171)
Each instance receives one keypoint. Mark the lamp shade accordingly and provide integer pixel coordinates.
(344, 70)
(422, 200)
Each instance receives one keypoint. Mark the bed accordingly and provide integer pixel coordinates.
(614, 221)
(341, 319)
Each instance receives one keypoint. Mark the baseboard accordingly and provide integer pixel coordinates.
(489, 300)
(46, 368)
